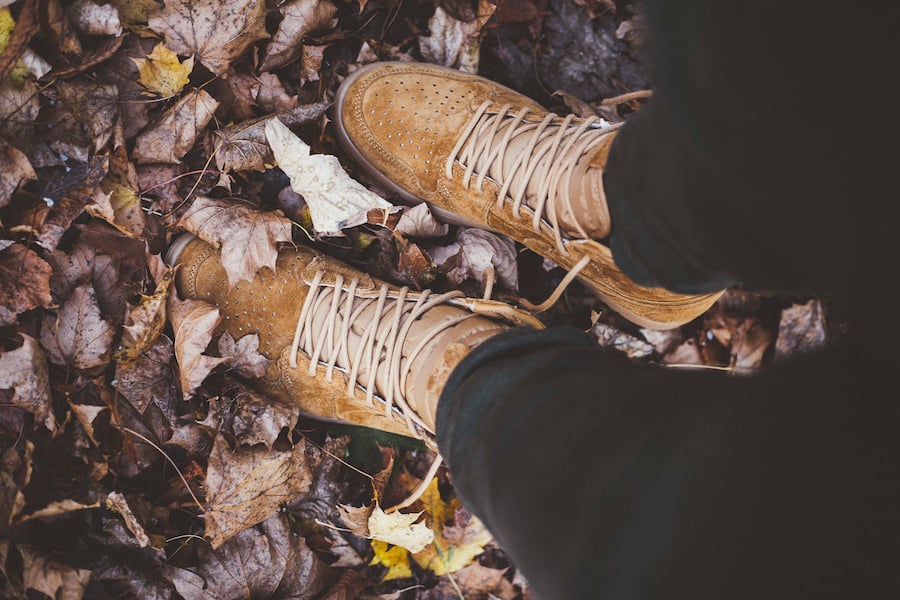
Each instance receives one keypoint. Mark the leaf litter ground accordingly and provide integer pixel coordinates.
(135, 461)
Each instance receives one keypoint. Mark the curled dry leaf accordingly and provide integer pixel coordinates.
(116, 502)
(193, 322)
(24, 370)
(168, 140)
(162, 73)
(51, 578)
(14, 169)
(246, 486)
(19, 107)
(95, 19)
(144, 323)
(243, 355)
(215, 31)
(455, 43)
(24, 282)
(479, 251)
(120, 187)
(247, 238)
(419, 222)
(78, 336)
(335, 200)
(151, 378)
(255, 419)
(299, 19)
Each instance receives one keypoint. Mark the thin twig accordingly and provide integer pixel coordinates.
(623, 98)
(161, 451)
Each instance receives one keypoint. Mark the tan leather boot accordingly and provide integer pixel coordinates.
(345, 347)
(485, 156)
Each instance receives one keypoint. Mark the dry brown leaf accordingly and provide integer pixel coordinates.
(14, 169)
(121, 188)
(86, 414)
(256, 419)
(311, 62)
(246, 486)
(95, 19)
(19, 107)
(419, 222)
(116, 502)
(248, 238)
(272, 97)
(160, 182)
(476, 582)
(151, 378)
(162, 73)
(193, 322)
(58, 22)
(145, 322)
(78, 336)
(51, 578)
(69, 197)
(299, 19)
(133, 13)
(168, 140)
(215, 31)
(94, 105)
(749, 344)
(455, 43)
(478, 252)
(801, 330)
(24, 282)
(243, 355)
(12, 500)
(24, 370)
(686, 353)
(269, 561)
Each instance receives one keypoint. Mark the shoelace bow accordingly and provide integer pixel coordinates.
(552, 164)
(381, 342)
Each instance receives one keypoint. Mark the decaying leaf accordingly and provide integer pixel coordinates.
(144, 323)
(400, 529)
(19, 107)
(335, 200)
(24, 282)
(151, 378)
(47, 576)
(299, 19)
(95, 19)
(269, 561)
(24, 370)
(14, 169)
(246, 486)
(801, 330)
(69, 196)
(419, 222)
(476, 582)
(749, 344)
(116, 502)
(477, 252)
(215, 31)
(168, 140)
(162, 73)
(455, 43)
(121, 190)
(77, 335)
(243, 355)
(134, 13)
(253, 418)
(193, 322)
(247, 238)
(94, 105)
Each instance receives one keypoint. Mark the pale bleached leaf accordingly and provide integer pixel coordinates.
(299, 19)
(193, 322)
(400, 529)
(24, 370)
(243, 355)
(77, 335)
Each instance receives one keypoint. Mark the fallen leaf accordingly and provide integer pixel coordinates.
(476, 582)
(94, 105)
(86, 414)
(400, 529)
(311, 62)
(243, 146)
(95, 19)
(299, 19)
(801, 330)
(122, 190)
(47, 576)
(162, 73)
(24, 370)
(14, 39)
(116, 502)
(479, 252)
(12, 500)
(193, 322)
(14, 169)
(269, 561)
(19, 107)
(335, 200)
(419, 222)
(243, 355)
(610, 337)
(78, 336)
(168, 140)
(246, 486)
(749, 345)
(395, 558)
(348, 587)
(151, 378)
(134, 13)
(455, 43)
(144, 323)
(663, 341)
(215, 31)
(68, 197)
(24, 282)
(686, 353)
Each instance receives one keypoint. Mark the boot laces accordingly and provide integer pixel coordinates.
(381, 341)
(548, 158)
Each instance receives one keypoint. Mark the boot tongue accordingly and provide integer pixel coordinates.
(581, 205)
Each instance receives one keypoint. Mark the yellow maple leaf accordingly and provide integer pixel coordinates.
(20, 72)
(395, 558)
(162, 73)
(455, 545)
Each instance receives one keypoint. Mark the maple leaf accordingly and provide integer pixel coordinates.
(215, 31)
(335, 200)
(78, 335)
(168, 140)
(151, 378)
(94, 105)
(24, 370)
(14, 169)
(24, 282)
(400, 529)
(51, 578)
(243, 355)
(144, 324)
(246, 486)
(299, 19)
(395, 558)
(246, 237)
(193, 322)
(162, 73)
(121, 191)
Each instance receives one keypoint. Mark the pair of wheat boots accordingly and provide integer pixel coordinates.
(347, 347)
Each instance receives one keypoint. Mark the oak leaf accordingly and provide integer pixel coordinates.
(299, 19)
(14, 169)
(168, 140)
(24, 370)
(246, 237)
(162, 73)
(335, 200)
(78, 336)
(193, 322)
(24, 282)
(246, 486)
(215, 31)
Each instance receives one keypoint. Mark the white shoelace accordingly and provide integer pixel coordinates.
(380, 344)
